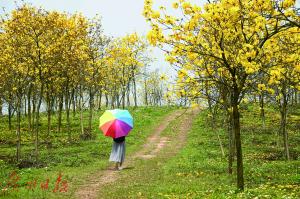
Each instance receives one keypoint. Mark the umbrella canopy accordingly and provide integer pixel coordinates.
(116, 123)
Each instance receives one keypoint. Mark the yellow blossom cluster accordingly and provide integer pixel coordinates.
(228, 41)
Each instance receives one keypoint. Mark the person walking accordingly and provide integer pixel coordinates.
(116, 123)
(118, 152)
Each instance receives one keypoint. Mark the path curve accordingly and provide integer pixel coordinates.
(153, 146)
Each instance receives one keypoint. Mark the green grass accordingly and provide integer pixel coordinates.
(75, 161)
(200, 171)
(197, 171)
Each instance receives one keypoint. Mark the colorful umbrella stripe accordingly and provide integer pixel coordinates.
(116, 123)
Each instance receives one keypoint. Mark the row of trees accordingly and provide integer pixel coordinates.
(55, 62)
(229, 50)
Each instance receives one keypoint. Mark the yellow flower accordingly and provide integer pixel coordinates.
(187, 8)
(261, 87)
(288, 3)
(152, 37)
(182, 73)
(163, 77)
(170, 59)
(155, 15)
(148, 2)
(271, 91)
(175, 5)
(170, 20)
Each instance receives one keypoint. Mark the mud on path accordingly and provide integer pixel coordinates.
(154, 144)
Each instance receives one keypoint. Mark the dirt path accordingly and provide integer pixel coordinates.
(154, 144)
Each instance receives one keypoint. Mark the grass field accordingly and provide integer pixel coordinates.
(197, 171)
(74, 161)
(200, 171)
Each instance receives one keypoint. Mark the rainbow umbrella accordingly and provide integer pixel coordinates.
(116, 123)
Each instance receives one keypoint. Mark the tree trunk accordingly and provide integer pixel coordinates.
(33, 115)
(60, 107)
(81, 112)
(118, 100)
(48, 117)
(230, 142)
(67, 107)
(283, 123)
(128, 95)
(123, 98)
(292, 97)
(91, 105)
(25, 110)
(37, 121)
(74, 102)
(53, 106)
(112, 101)
(100, 100)
(1, 106)
(9, 115)
(262, 110)
(237, 136)
(146, 93)
(18, 129)
(285, 134)
(134, 91)
(106, 100)
(25, 104)
(160, 97)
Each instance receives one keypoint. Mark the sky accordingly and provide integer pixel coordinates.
(119, 17)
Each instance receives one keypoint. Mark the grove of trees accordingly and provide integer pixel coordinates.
(61, 64)
(230, 51)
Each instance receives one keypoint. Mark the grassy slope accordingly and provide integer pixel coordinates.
(199, 170)
(75, 161)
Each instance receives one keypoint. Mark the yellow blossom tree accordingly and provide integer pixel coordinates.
(283, 74)
(222, 42)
